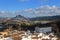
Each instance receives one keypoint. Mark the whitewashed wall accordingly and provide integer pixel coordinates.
(44, 29)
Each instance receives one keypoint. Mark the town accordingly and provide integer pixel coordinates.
(30, 31)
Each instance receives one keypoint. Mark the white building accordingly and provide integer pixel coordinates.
(7, 38)
(43, 29)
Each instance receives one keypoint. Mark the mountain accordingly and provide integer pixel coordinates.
(46, 18)
(57, 17)
(22, 18)
(19, 18)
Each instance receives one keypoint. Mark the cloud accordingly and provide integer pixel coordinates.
(47, 11)
(39, 11)
(4, 13)
(43, 11)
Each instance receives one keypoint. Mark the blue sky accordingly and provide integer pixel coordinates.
(9, 7)
(12, 5)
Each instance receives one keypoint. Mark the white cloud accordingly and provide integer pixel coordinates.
(47, 10)
(39, 11)
(44, 10)
(4, 13)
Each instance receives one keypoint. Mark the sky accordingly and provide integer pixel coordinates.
(29, 8)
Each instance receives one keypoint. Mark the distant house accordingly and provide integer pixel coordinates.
(2, 27)
(53, 26)
(43, 29)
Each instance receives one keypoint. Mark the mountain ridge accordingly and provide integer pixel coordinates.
(22, 18)
(57, 17)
